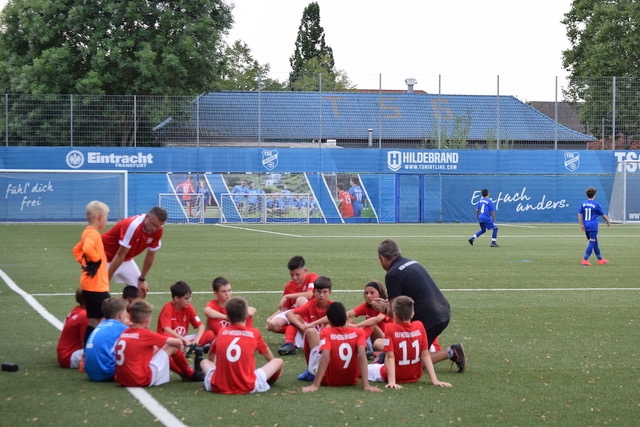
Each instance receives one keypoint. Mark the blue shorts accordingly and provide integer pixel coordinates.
(487, 225)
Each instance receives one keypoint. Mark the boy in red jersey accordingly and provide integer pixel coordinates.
(296, 293)
(337, 356)
(70, 346)
(216, 310)
(174, 320)
(90, 253)
(126, 240)
(406, 348)
(346, 206)
(231, 366)
(312, 315)
(142, 356)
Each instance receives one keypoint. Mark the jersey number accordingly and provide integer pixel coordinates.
(405, 353)
(234, 351)
(120, 353)
(587, 214)
(346, 353)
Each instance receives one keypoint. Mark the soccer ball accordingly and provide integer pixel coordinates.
(274, 377)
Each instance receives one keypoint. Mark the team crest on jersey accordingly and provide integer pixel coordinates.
(572, 161)
(269, 159)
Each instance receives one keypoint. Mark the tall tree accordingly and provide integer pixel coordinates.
(112, 46)
(310, 44)
(240, 71)
(604, 43)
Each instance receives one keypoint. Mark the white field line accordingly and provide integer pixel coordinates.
(145, 399)
(258, 231)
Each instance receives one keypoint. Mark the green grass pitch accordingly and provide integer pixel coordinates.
(547, 340)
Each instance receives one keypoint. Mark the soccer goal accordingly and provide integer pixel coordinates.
(624, 205)
(267, 208)
(183, 208)
(60, 195)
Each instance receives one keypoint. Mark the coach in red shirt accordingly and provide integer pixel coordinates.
(126, 240)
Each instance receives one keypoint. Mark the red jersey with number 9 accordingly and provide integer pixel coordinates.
(342, 343)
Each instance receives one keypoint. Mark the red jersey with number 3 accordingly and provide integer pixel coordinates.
(235, 348)
(342, 343)
(130, 233)
(134, 351)
(407, 341)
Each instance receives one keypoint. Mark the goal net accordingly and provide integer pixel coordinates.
(624, 205)
(60, 195)
(183, 208)
(267, 208)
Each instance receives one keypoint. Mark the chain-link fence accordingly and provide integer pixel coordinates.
(599, 107)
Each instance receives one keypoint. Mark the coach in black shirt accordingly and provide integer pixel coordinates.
(408, 277)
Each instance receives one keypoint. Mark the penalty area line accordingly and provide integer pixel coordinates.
(141, 395)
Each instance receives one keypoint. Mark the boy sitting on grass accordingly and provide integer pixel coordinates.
(231, 366)
(100, 353)
(337, 356)
(406, 350)
(142, 356)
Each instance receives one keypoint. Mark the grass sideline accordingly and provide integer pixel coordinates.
(547, 339)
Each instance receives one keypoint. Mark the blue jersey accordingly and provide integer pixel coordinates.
(357, 193)
(100, 352)
(485, 207)
(590, 210)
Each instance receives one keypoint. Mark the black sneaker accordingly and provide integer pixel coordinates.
(495, 245)
(188, 349)
(458, 357)
(380, 358)
(471, 242)
(198, 359)
(197, 375)
(287, 348)
(205, 348)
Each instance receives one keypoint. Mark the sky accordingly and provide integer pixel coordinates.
(466, 47)
(451, 47)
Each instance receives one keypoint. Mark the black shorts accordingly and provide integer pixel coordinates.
(93, 303)
(435, 331)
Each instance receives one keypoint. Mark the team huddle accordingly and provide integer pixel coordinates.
(111, 339)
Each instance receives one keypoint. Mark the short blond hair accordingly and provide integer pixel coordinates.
(140, 310)
(95, 209)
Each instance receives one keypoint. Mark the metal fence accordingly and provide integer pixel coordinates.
(602, 107)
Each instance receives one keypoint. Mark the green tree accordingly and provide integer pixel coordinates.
(604, 42)
(112, 47)
(310, 44)
(309, 79)
(240, 71)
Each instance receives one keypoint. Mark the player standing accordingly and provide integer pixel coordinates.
(588, 215)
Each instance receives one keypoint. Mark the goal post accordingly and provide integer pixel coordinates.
(40, 195)
(183, 208)
(267, 207)
(624, 204)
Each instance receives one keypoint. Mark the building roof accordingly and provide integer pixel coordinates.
(568, 114)
(307, 116)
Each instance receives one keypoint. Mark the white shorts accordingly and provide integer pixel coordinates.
(373, 372)
(299, 338)
(160, 372)
(314, 360)
(128, 273)
(261, 381)
(76, 357)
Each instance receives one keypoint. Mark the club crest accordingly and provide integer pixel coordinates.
(572, 161)
(269, 159)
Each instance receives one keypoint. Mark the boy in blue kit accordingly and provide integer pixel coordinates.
(588, 215)
(99, 354)
(486, 216)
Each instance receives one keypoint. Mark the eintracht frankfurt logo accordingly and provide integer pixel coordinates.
(75, 159)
